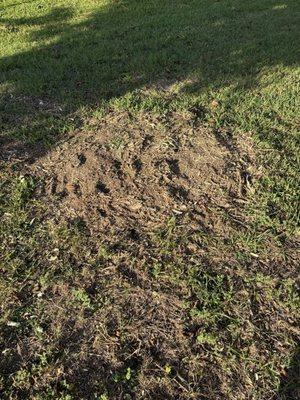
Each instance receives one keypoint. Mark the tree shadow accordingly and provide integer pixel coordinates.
(290, 385)
(127, 45)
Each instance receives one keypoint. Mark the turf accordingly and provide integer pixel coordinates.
(234, 66)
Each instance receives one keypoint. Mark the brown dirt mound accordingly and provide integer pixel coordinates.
(130, 174)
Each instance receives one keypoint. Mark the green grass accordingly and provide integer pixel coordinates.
(61, 291)
(234, 64)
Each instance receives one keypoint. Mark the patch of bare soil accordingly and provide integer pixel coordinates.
(132, 174)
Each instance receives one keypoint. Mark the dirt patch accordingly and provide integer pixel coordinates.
(132, 174)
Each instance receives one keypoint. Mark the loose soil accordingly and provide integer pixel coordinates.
(132, 174)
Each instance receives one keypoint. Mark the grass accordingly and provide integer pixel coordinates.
(56, 293)
(234, 65)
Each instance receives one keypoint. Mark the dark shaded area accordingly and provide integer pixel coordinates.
(290, 385)
(130, 44)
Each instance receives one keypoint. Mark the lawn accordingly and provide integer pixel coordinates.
(187, 287)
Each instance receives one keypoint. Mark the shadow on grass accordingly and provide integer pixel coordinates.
(290, 385)
(130, 44)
